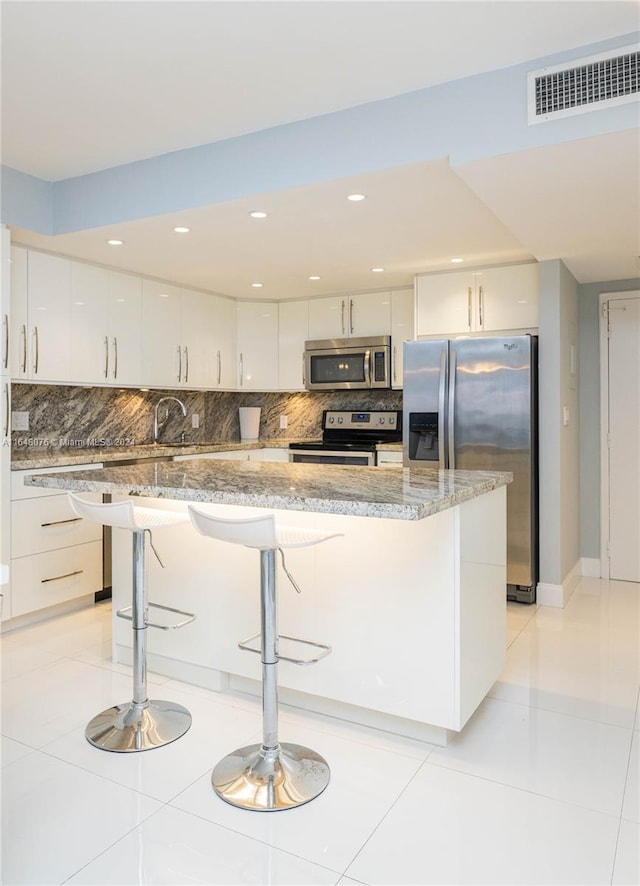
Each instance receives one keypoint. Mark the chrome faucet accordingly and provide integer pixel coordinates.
(166, 416)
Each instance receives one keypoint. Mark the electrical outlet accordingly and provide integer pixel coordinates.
(284, 422)
(195, 420)
(19, 421)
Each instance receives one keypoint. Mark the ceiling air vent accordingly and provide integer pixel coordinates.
(586, 84)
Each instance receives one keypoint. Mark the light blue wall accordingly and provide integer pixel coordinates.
(466, 119)
(26, 201)
(589, 368)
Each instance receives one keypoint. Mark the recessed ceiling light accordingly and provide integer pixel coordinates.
(314, 277)
(257, 285)
(115, 242)
(377, 270)
(355, 198)
(456, 261)
(181, 230)
(163, 295)
(258, 213)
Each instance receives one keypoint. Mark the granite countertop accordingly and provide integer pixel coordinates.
(23, 459)
(33, 457)
(409, 494)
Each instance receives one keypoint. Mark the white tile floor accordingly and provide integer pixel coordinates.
(543, 785)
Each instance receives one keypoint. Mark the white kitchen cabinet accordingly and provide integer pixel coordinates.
(161, 343)
(224, 343)
(483, 300)
(5, 300)
(402, 329)
(257, 346)
(350, 316)
(293, 331)
(55, 556)
(124, 316)
(197, 317)
(39, 321)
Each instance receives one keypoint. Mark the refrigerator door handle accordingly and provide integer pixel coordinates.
(451, 411)
(441, 407)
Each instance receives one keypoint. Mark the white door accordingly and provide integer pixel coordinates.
(162, 357)
(369, 314)
(125, 328)
(624, 439)
(49, 286)
(89, 344)
(293, 331)
(257, 346)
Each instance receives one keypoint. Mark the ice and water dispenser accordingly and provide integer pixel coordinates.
(423, 436)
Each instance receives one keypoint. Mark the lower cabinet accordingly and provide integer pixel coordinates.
(55, 556)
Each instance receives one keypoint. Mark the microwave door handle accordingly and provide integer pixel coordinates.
(442, 387)
(367, 367)
(451, 410)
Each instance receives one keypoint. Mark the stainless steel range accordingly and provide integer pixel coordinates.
(350, 437)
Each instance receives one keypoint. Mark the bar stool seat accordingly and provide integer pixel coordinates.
(141, 724)
(270, 776)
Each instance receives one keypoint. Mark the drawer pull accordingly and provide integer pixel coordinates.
(60, 577)
(59, 522)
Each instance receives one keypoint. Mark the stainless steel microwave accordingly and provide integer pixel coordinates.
(347, 363)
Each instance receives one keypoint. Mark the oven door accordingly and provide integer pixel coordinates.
(332, 457)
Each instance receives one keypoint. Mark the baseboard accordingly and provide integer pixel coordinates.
(559, 595)
(591, 567)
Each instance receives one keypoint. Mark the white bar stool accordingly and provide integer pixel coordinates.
(270, 776)
(141, 724)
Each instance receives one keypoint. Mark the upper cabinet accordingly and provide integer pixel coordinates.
(402, 329)
(39, 324)
(257, 346)
(224, 342)
(106, 326)
(353, 316)
(5, 301)
(485, 300)
(293, 331)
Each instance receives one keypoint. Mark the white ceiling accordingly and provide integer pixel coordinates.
(91, 85)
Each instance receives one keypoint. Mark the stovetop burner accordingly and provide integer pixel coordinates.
(350, 430)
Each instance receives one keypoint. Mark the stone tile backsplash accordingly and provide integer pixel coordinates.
(62, 417)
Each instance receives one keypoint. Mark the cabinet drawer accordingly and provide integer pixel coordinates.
(45, 524)
(43, 580)
(20, 491)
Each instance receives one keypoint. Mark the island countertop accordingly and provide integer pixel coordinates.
(407, 494)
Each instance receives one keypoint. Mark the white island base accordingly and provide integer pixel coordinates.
(414, 610)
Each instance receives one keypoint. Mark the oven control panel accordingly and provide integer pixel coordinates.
(348, 420)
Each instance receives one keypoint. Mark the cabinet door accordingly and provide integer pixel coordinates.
(125, 328)
(445, 303)
(328, 318)
(257, 346)
(293, 331)
(402, 322)
(18, 315)
(162, 358)
(89, 344)
(49, 287)
(507, 297)
(224, 348)
(369, 313)
(199, 364)
(5, 301)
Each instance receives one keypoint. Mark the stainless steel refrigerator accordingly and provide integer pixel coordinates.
(471, 404)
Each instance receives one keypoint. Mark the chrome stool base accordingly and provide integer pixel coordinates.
(138, 727)
(267, 780)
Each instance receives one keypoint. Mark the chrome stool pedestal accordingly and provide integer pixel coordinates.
(141, 724)
(269, 776)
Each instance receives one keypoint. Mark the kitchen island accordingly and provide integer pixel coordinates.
(411, 598)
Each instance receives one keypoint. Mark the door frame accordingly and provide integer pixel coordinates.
(603, 298)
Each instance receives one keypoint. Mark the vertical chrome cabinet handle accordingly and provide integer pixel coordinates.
(24, 350)
(106, 356)
(186, 364)
(342, 317)
(241, 371)
(219, 366)
(6, 409)
(395, 375)
(5, 359)
(442, 388)
(451, 410)
(351, 315)
(37, 355)
(115, 357)
(469, 307)
(481, 306)
(179, 363)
